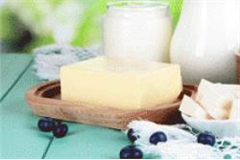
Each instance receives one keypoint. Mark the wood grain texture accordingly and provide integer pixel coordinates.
(12, 67)
(44, 100)
(18, 126)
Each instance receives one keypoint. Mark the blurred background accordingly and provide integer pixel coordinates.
(27, 24)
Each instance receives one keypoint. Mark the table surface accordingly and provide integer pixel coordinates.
(19, 135)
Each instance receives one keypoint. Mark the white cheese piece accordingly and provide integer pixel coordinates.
(193, 109)
(229, 90)
(235, 111)
(216, 102)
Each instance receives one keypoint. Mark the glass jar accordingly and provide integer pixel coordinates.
(137, 30)
(205, 40)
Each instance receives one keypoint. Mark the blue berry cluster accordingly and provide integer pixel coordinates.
(132, 152)
(58, 129)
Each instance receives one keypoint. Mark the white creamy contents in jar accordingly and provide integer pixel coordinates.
(137, 31)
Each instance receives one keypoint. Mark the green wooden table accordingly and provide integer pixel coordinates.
(19, 135)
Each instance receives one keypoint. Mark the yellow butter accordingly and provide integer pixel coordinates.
(104, 82)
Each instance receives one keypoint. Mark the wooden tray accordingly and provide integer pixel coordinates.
(45, 101)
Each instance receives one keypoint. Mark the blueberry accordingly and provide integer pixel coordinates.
(206, 138)
(158, 137)
(60, 131)
(46, 125)
(131, 135)
(131, 152)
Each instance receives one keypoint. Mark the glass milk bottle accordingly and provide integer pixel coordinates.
(205, 38)
(137, 30)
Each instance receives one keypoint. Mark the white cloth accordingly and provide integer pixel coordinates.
(181, 143)
(49, 59)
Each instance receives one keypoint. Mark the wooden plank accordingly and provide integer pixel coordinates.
(85, 141)
(11, 68)
(20, 137)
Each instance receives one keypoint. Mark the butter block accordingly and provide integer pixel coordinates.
(104, 82)
(235, 111)
(213, 100)
(193, 109)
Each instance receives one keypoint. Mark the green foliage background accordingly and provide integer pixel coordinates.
(17, 17)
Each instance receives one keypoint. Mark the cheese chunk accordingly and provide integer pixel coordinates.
(104, 82)
(215, 102)
(235, 111)
(230, 90)
(193, 109)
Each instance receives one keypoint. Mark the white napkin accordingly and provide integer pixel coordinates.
(182, 143)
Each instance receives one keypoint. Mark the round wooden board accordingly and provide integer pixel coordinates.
(45, 101)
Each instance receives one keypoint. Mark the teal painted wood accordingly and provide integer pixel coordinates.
(85, 141)
(11, 68)
(20, 137)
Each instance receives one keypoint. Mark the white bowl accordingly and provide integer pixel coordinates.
(220, 128)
